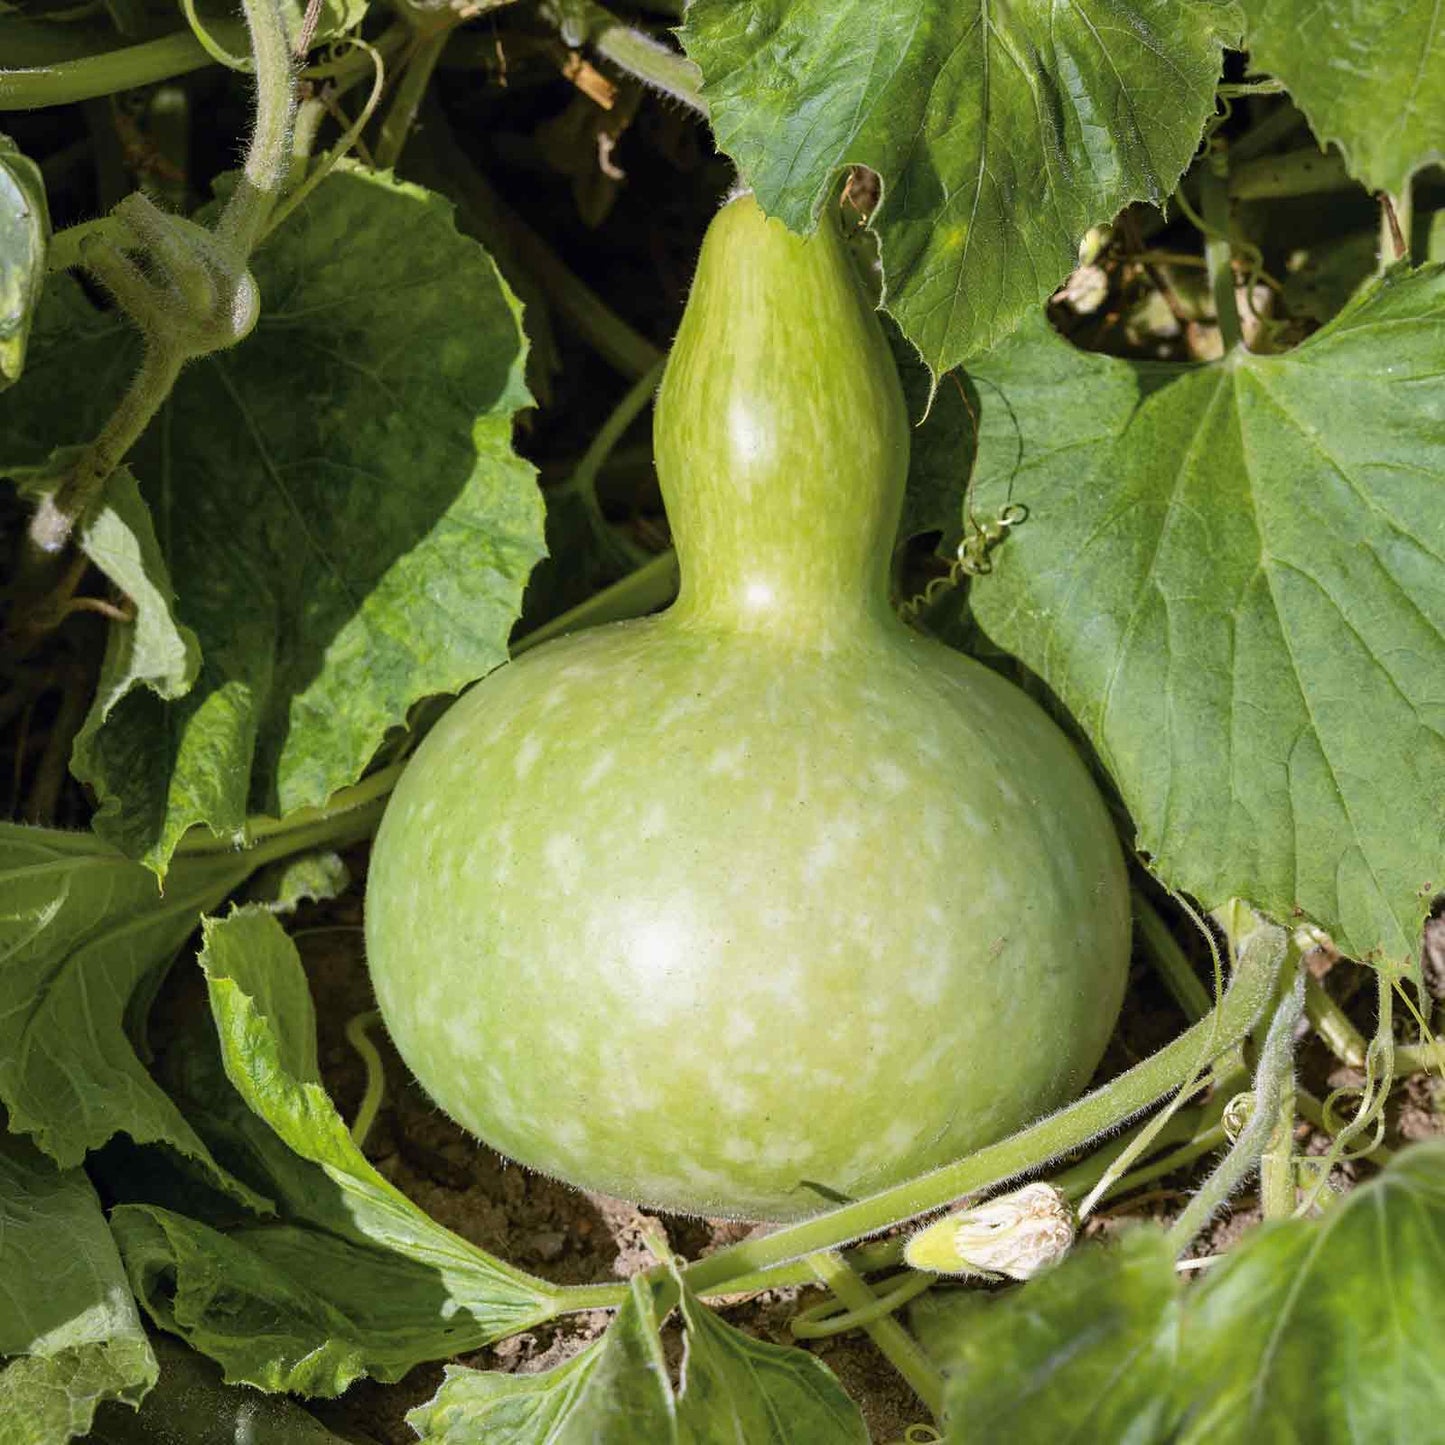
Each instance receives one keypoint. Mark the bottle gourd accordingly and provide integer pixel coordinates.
(766, 900)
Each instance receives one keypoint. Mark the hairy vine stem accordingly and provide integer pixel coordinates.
(1273, 1083)
(268, 157)
(1277, 1182)
(583, 22)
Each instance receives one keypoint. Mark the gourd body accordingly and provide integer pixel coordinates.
(768, 900)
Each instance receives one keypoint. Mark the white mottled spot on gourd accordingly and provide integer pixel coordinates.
(785, 1153)
(569, 1133)
(739, 1150)
(819, 859)
(598, 770)
(710, 1181)
(526, 757)
(735, 1098)
(789, 983)
(892, 779)
(728, 762)
(461, 1033)
(928, 984)
(565, 856)
(898, 1136)
(739, 1027)
(565, 1038)
(677, 711)
(653, 822)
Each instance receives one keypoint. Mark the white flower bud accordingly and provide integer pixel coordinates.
(1014, 1236)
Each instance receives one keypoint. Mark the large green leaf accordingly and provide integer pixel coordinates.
(615, 1392)
(1002, 132)
(1233, 576)
(1327, 1330)
(1369, 75)
(263, 1013)
(1082, 1355)
(1331, 1331)
(84, 933)
(282, 1307)
(356, 1280)
(337, 501)
(736, 1388)
(24, 235)
(66, 1316)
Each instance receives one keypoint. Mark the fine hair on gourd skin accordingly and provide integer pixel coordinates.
(767, 900)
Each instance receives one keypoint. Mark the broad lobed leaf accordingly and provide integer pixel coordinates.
(356, 1279)
(614, 1392)
(1233, 577)
(1327, 1330)
(617, 1391)
(337, 503)
(1082, 1354)
(1001, 132)
(289, 1307)
(67, 1320)
(1369, 75)
(84, 934)
(735, 1387)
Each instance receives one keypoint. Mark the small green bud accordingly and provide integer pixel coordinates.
(1013, 1236)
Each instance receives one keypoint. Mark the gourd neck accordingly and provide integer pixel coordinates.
(781, 436)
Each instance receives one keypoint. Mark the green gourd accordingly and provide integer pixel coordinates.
(769, 899)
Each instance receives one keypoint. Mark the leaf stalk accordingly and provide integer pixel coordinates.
(1218, 253)
(898, 1347)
